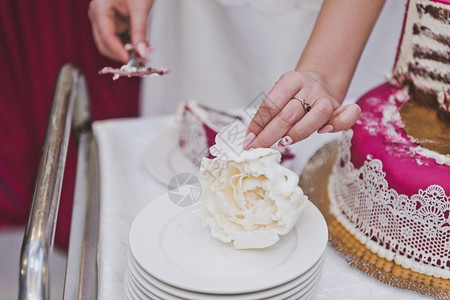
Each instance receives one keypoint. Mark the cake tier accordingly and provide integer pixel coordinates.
(390, 192)
(379, 133)
(423, 58)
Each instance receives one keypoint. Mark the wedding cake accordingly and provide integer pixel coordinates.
(390, 186)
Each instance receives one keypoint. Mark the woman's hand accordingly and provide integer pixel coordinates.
(110, 18)
(284, 118)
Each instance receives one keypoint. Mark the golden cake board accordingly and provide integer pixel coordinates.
(314, 182)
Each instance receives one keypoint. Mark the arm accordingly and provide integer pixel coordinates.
(337, 41)
(322, 78)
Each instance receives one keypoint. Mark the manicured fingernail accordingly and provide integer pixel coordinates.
(285, 141)
(142, 49)
(248, 139)
(326, 128)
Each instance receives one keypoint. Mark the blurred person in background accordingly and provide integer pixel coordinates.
(224, 53)
(36, 39)
(221, 52)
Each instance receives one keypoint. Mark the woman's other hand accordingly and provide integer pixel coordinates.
(110, 18)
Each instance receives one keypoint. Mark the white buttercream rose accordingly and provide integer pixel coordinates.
(249, 199)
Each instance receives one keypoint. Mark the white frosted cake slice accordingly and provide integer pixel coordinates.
(198, 126)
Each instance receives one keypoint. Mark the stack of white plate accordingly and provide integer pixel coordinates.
(172, 257)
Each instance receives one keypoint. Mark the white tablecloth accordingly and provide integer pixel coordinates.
(126, 188)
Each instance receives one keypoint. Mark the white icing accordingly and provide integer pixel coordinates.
(440, 159)
(428, 83)
(248, 198)
(412, 231)
(429, 43)
(427, 20)
(434, 66)
(130, 69)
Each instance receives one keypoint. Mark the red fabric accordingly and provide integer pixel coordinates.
(36, 39)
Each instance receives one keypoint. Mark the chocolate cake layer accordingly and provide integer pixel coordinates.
(419, 29)
(418, 70)
(437, 13)
(421, 52)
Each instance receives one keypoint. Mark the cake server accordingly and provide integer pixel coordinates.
(135, 67)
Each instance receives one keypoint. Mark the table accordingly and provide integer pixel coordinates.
(126, 187)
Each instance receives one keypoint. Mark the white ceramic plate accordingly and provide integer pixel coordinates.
(126, 291)
(169, 243)
(139, 293)
(164, 159)
(152, 292)
(145, 280)
(305, 295)
(134, 292)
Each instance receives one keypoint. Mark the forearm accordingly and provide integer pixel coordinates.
(337, 41)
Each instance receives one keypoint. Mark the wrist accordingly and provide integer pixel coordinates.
(333, 87)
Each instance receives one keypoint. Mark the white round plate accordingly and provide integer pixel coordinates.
(304, 295)
(144, 279)
(126, 292)
(169, 243)
(130, 293)
(139, 293)
(313, 293)
(164, 159)
(151, 291)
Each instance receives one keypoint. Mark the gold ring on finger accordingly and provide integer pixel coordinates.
(305, 104)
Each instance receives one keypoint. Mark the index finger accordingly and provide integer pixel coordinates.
(284, 89)
(111, 41)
